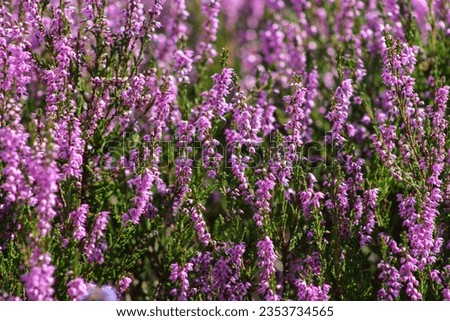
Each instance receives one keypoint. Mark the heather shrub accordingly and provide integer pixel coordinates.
(224, 150)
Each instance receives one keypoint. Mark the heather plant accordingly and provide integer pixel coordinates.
(224, 150)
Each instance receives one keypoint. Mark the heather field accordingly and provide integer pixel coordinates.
(224, 150)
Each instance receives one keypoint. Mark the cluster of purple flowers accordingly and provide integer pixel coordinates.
(224, 150)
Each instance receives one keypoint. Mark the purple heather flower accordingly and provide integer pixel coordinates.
(407, 269)
(275, 5)
(446, 294)
(210, 27)
(398, 66)
(267, 258)
(310, 199)
(392, 10)
(177, 26)
(97, 112)
(226, 274)
(75, 151)
(311, 292)
(202, 266)
(248, 121)
(77, 289)
(183, 170)
(56, 78)
(263, 195)
(15, 59)
(181, 274)
(232, 10)
(390, 278)
(339, 113)
(346, 18)
(78, 218)
(13, 150)
(39, 280)
(370, 198)
(297, 122)
(341, 206)
(210, 157)
(89, 8)
(420, 12)
(301, 272)
(434, 275)
(215, 98)
(94, 244)
(385, 145)
(143, 184)
(439, 124)
(268, 119)
(214, 105)
(221, 274)
(164, 99)
(183, 61)
(421, 227)
(124, 284)
(42, 169)
(195, 213)
(273, 47)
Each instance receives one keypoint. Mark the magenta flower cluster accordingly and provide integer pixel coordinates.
(224, 150)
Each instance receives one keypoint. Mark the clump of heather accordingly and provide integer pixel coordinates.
(224, 150)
